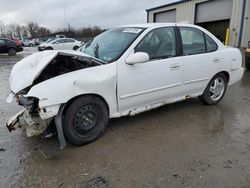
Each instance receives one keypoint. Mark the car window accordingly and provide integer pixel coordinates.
(211, 45)
(159, 43)
(59, 41)
(2, 42)
(192, 41)
(69, 40)
(110, 45)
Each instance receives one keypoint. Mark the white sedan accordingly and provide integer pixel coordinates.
(60, 44)
(123, 71)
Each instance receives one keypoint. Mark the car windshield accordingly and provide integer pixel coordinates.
(110, 45)
(50, 40)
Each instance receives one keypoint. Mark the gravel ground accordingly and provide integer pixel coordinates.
(185, 144)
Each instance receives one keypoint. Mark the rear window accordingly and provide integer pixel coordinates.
(211, 45)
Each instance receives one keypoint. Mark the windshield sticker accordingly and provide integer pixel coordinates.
(132, 30)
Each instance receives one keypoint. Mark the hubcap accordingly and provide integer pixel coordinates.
(85, 119)
(217, 89)
(11, 52)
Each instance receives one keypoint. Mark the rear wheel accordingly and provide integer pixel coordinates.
(30, 45)
(215, 90)
(12, 52)
(85, 120)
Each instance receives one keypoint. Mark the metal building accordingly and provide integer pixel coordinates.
(228, 20)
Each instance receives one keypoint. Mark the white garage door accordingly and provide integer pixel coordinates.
(167, 16)
(213, 11)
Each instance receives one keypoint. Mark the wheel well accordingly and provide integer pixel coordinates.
(76, 97)
(226, 74)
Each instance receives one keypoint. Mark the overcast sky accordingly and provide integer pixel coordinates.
(78, 13)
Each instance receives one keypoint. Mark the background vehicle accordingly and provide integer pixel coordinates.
(18, 41)
(9, 46)
(121, 72)
(60, 44)
(28, 42)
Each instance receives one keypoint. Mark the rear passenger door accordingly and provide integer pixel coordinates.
(198, 60)
(69, 44)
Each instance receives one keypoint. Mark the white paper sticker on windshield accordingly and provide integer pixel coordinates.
(132, 30)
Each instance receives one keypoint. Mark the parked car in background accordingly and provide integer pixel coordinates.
(18, 41)
(60, 44)
(121, 72)
(9, 46)
(37, 42)
(28, 42)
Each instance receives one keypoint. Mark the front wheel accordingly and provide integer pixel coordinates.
(215, 90)
(75, 47)
(49, 48)
(85, 120)
(12, 52)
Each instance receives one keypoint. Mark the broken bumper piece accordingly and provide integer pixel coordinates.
(34, 125)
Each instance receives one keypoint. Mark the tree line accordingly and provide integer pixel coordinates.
(34, 30)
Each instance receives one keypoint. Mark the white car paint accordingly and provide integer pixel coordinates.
(60, 44)
(127, 89)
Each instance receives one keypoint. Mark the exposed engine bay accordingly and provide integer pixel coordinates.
(64, 64)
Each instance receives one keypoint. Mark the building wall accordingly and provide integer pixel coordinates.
(246, 28)
(235, 22)
(185, 13)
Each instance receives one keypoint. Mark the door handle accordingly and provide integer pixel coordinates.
(216, 60)
(174, 67)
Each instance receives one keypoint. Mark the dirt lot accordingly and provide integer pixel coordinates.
(185, 144)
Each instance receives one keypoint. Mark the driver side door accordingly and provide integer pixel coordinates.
(156, 81)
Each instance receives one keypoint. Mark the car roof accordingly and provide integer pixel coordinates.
(148, 25)
(64, 38)
(7, 39)
(156, 25)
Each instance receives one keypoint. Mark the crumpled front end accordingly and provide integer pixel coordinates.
(29, 118)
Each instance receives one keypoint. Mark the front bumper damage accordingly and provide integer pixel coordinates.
(33, 125)
(36, 120)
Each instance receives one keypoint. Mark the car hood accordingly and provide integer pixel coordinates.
(28, 69)
(45, 44)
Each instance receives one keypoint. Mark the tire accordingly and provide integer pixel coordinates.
(30, 45)
(214, 93)
(12, 52)
(85, 120)
(49, 48)
(75, 47)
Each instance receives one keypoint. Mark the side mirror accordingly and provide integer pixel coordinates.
(137, 58)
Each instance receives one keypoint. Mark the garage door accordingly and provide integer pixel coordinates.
(213, 11)
(167, 16)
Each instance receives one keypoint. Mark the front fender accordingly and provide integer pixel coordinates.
(99, 80)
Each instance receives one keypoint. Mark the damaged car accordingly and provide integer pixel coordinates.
(121, 72)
